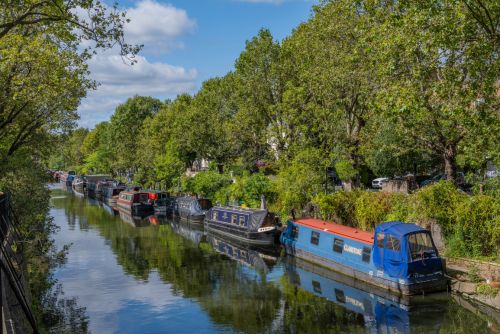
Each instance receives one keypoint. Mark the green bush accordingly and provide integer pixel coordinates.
(339, 207)
(371, 209)
(476, 228)
(206, 184)
(436, 202)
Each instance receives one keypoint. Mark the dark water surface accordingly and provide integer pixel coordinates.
(158, 276)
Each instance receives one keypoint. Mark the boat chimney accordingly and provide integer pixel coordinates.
(263, 205)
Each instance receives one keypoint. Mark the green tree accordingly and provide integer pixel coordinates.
(333, 63)
(440, 79)
(125, 126)
(258, 90)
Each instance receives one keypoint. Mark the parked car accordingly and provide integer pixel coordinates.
(436, 178)
(377, 183)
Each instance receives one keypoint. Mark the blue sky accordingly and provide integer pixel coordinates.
(185, 43)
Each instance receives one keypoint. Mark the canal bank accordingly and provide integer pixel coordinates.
(154, 278)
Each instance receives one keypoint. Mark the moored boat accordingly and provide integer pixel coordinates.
(79, 184)
(397, 256)
(67, 178)
(255, 226)
(92, 181)
(191, 208)
(111, 191)
(135, 202)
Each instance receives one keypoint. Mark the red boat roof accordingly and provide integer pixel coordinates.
(340, 230)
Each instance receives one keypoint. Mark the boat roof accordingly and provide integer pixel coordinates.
(239, 209)
(133, 192)
(398, 228)
(337, 229)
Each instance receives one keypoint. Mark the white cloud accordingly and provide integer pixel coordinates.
(118, 81)
(157, 25)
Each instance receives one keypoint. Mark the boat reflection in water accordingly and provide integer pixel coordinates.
(261, 258)
(134, 220)
(382, 311)
(191, 231)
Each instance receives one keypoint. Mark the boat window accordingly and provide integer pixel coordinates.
(380, 240)
(143, 197)
(295, 232)
(338, 245)
(242, 220)
(316, 286)
(366, 254)
(234, 219)
(420, 245)
(315, 238)
(393, 243)
(214, 215)
(339, 295)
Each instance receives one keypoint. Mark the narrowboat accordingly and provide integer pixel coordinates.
(163, 204)
(261, 259)
(379, 310)
(255, 226)
(135, 202)
(67, 178)
(92, 181)
(79, 184)
(191, 208)
(110, 193)
(399, 257)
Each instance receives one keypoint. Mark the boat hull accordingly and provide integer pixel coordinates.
(255, 238)
(431, 284)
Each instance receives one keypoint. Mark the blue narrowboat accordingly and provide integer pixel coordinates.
(399, 257)
(255, 226)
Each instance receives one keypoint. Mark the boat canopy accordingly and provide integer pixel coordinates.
(404, 250)
(398, 228)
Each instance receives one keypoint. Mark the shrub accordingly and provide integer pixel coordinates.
(476, 227)
(371, 209)
(206, 184)
(339, 206)
(436, 202)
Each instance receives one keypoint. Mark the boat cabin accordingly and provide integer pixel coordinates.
(135, 201)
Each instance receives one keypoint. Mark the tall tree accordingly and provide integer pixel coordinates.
(258, 90)
(440, 79)
(334, 66)
(125, 127)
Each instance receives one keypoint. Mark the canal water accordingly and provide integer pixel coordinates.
(153, 275)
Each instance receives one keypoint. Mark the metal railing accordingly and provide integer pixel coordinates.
(16, 315)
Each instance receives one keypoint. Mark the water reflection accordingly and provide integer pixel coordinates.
(261, 259)
(169, 276)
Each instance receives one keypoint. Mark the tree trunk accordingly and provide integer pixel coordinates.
(450, 163)
(220, 168)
